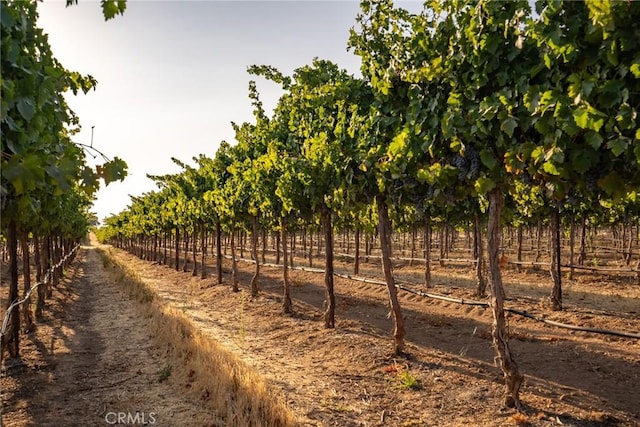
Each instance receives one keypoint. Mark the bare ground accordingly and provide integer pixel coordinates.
(103, 359)
(91, 362)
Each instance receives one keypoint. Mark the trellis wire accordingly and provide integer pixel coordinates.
(19, 302)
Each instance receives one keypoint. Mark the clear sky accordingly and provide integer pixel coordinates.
(172, 74)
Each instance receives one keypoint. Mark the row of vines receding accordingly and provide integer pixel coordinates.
(46, 184)
(469, 115)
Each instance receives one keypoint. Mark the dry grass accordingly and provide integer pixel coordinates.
(202, 367)
(519, 419)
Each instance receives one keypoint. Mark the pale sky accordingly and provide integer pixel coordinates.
(172, 74)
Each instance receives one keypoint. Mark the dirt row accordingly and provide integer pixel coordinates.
(92, 362)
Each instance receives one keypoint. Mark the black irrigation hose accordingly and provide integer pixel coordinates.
(572, 327)
(603, 270)
(462, 301)
(523, 313)
(444, 298)
(457, 300)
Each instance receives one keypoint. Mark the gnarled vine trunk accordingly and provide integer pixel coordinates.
(556, 269)
(427, 251)
(185, 248)
(42, 289)
(330, 302)
(254, 252)
(513, 378)
(384, 228)
(311, 249)
(12, 337)
(194, 250)
(203, 251)
(478, 249)
(27, 316)
(264, 245)
(356, 262)
(218, 253)
(572, 246)
(583, 242)
(287, 307)
(519, 249)
(177, 245)
(234, 263)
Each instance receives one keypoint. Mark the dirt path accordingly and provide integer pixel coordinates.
(93, 363)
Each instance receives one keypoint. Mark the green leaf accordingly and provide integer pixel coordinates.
(13, 172)
(581, 117)
(488, 159)
(618, 145)
(588, 118)
(508, 126)
(587, 86)
(575, 86)
(612, 54)
(635, 70)
(583, 160)
(430, 174)
(89, 181)
(550, 168)
(398, 145)
(613, 185)
(454, 99)
(611, 93)
(594, 139)
(27, 108)
(6, 18)
(111, 8)
(483, 185)
(537, 153)
(531, 100)
(13, 146)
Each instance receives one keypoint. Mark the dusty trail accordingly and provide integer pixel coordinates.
(92, 362)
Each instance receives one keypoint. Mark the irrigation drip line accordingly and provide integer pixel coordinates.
(572, 327)
(444, 297)
(472, 261)
(462, 301)
(522, 313)
(603, 270)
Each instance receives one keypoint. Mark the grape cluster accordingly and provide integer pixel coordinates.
(468, 164)
(462, 164)
(591, 182)
(474, 164)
